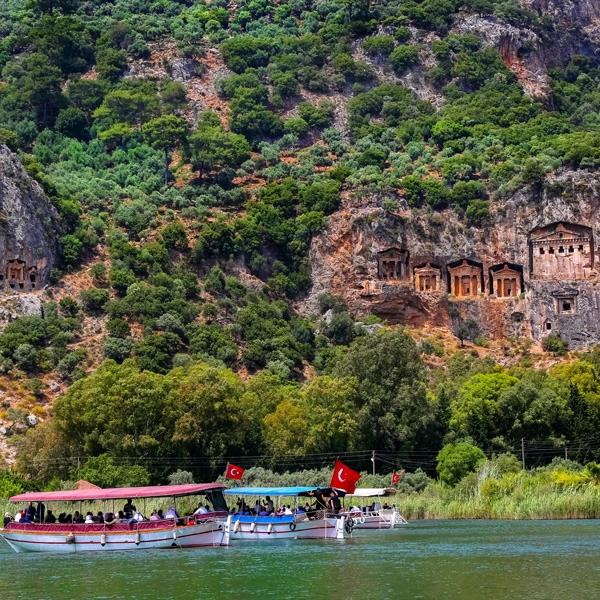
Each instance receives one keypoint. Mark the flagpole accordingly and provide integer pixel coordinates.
(373, 461)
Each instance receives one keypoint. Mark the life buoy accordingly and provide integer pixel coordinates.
(361, 520)
(292, 526)
(349, 525)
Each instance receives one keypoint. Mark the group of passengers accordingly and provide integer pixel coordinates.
(322, 503)
(374, 507)
(130, 514)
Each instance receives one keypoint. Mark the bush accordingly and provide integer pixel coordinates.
(404, 57)
(555, 344)
(454, 461)
(94, 300)
(180, 477)
(379, 44)
(69, 363)
(117, 348)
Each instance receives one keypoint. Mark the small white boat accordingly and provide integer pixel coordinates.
(203, 530)
(317, 524)
(374, 516)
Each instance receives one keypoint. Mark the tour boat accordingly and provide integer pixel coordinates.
(378, 517)
(316, 524)
(210, 529)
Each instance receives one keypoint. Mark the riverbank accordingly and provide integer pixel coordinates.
(563, 504)
(540, 494)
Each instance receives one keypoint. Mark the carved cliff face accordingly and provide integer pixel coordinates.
(28, 228)
(532, 271)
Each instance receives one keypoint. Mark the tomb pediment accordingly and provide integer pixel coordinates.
(561, 251)
(558, 232)
(428, 278)
(392, 264)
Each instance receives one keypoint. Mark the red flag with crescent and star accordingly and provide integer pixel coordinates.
(396, 477)
(233, 472)
(344, 478)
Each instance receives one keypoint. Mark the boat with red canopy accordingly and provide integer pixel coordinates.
(200, 529)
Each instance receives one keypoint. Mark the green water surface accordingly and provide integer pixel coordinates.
(471, 560)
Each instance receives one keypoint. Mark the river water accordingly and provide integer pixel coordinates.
(471, 560)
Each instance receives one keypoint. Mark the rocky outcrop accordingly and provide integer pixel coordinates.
(565, 28)
(29, 227)
(542, 246)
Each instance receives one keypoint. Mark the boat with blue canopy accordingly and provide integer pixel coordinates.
(312, 516)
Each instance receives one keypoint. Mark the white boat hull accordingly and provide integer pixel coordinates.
(261, 531)
(32, 538)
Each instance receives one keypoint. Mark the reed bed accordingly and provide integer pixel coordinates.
(569, 503)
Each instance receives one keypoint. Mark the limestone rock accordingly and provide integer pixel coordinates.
(533, 270)
(29, 226)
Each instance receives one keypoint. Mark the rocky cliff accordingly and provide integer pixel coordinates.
(531, 271)
(28, 229)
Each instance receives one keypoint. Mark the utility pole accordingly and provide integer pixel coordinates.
(566, 453)
(373, 460)
(523, 452)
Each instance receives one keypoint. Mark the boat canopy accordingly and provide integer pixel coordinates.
(371, 492)
(157, 491)
(270, 491)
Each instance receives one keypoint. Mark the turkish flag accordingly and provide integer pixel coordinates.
(344, 478)
(396, 477)
(233, 472)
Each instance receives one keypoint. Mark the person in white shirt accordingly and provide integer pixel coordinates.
(171, 513)
(201, 510)
(89, 518)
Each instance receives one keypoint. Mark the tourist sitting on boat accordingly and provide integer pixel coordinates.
(300, 510)
(25, 518)
(89, 518)
(50, 518)
(69, 518)
(171, 513)
(78, 517)
(201, 510)
(154, 516)
(129, 509)
(121, 517)
(287, 510)
(62, 518)
(7, 518)
(137, 517)
(99, 518)
(18, 516)
(109, 518)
